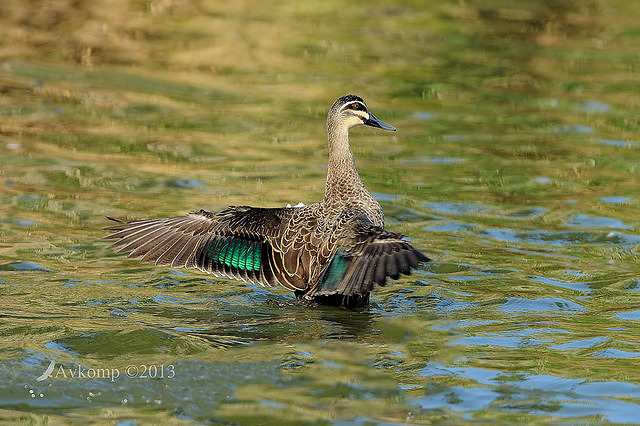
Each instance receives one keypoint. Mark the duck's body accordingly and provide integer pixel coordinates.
(330, 252)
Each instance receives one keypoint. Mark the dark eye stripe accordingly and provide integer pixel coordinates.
(355, 105)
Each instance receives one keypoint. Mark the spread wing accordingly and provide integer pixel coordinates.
(267, 246)
(374, 255)
(245, 243)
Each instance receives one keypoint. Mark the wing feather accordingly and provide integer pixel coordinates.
(250, 244)
(378, 254)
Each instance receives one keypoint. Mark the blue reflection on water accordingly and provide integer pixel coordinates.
(618, 143)
(162, 298)
(616, 200)
(560, 238)
(24, 266)
(499, 340)
(616, 353)
(573, 128)
(585, 220)
(631, 315)
(545, 304)
(557, 283)
(581, 344)
(595, 106)
(513, 392)
(458, 208)
(451, 226)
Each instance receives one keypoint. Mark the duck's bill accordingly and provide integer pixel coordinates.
(375, 122)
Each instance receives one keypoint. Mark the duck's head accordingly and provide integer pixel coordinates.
(350, 111)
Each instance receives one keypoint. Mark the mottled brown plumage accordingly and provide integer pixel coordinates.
(331, 252)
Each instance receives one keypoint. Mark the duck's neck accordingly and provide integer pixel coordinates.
(344, 186)
(343, 180)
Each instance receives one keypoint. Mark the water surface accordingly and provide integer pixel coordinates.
(515, 167)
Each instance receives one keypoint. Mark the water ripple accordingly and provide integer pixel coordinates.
(459, 209)
(616, 353)
(23, 266)
(580, 344)
(162, 298)
(560, 238)
(546, 304)
(584, 220)
(580, 286)
(631, 315)
(618, 143)
(573, 128)
(595, 106)
(451, 226)
(616, 200)
(513, 392)
(499, 340)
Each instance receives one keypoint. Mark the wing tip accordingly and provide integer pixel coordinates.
(120, 224)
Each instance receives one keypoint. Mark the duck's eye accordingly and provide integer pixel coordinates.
(357, 106)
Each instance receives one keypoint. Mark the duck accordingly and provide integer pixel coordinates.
(332, 252)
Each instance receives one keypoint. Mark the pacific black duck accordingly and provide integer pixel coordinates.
(331, 252)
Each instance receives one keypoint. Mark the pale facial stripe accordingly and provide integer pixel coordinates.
(354, 102)
(363, 112)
